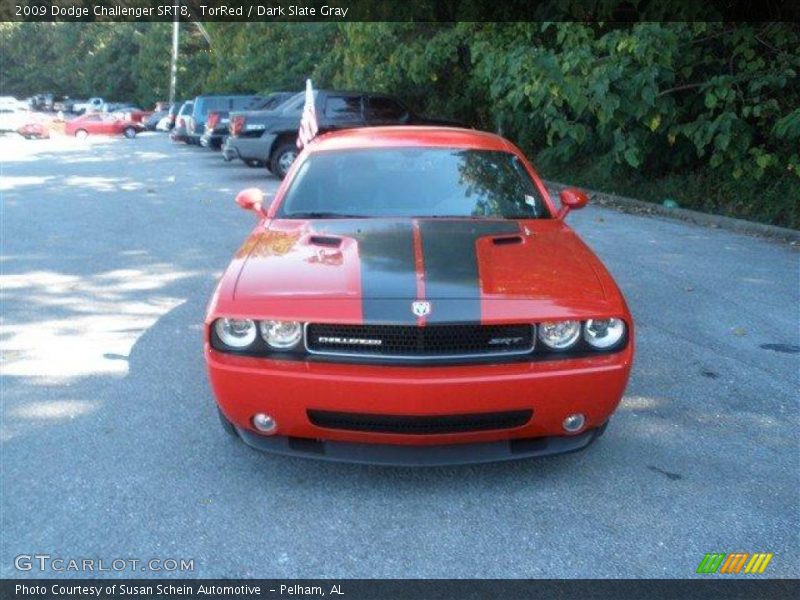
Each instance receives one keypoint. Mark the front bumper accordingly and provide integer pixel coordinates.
(288, 389)
(419, 456)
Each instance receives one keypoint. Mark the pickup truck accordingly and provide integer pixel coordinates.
(203, 105)
(216, 127)
(270, 137)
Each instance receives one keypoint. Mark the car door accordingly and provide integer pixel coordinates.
(383, 110)
(109, 124)
(92, 124)
(343, 111)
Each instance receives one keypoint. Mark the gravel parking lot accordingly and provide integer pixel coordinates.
(111, 446)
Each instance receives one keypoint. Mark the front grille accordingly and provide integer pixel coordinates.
(410, 341)
(419, 425)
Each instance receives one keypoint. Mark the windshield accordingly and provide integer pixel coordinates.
(413, 182)
(294, 104)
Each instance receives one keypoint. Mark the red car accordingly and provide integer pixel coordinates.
(102, 123)
(412, 295)
(34, 130)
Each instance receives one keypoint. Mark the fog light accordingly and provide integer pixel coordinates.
(574, 422)
(264, 423)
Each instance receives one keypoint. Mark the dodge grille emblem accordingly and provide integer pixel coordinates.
(421, 308)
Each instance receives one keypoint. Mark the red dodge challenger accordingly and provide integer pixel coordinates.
(412, 296)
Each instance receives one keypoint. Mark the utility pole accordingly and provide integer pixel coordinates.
(173, 67)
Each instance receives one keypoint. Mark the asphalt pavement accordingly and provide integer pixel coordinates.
(111, 446)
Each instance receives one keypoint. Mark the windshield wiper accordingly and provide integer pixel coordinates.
(322, 215)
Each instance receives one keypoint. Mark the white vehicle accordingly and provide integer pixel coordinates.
(12, 117)
(9, 102)
(164, 124)
(91, 105)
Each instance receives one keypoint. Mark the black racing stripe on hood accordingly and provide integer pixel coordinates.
(451, 266)
(388, 268)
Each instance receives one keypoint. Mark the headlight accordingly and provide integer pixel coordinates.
(603, 333)
(281, 335)
(559, 335)
(236, 333)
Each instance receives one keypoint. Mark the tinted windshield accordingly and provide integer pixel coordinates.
(413, 182)
(294, 104)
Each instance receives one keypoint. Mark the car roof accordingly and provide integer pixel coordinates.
(405, 136)
(214, 96)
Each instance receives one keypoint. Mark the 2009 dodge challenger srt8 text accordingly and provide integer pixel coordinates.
(413, 296)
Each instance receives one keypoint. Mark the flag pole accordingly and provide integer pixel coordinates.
(173, 67)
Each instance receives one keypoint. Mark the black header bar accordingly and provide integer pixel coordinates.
(728, 587)
(343, 11)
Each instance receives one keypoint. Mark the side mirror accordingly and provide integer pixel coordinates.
(572, 199)
(251, 199)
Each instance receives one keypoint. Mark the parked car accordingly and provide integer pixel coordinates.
(41, 102)
(216, 128)
(165, 124)
(414, 296)
(128, 111)
(62, 104)
(196, 122)
(82, 106)
(270, 137)
(178, 133)
(151, 122)
(172, 115)
(12, 117)
(12, 102)
(34, 130)
(102, 124)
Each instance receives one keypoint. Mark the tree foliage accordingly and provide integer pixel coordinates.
(638, 101)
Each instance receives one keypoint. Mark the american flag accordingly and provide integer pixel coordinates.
(308, 123)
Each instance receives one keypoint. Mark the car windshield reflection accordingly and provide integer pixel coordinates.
(413, 182)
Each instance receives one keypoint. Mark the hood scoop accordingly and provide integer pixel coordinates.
(507, 240)
(328, 241)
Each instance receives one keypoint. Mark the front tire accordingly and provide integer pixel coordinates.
(282, 159)
(81, 134)
(129, 132)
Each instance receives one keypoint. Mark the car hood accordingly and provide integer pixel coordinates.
(468, 269)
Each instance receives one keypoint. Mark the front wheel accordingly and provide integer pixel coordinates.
(282, 159)
(129, 132)
(81, 134)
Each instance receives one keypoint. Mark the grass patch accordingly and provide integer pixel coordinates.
(774, 199)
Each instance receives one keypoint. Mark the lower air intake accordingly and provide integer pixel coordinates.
(420, 425)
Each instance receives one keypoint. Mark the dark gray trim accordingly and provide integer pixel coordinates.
(421, 456)
(452, 282)
(388, 265)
